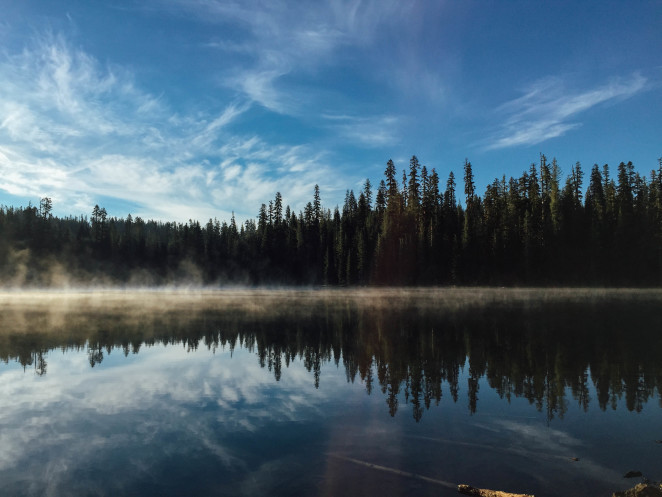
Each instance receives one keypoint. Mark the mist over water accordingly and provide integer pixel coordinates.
(310, 392)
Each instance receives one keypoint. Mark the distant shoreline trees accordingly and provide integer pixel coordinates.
(529, 230)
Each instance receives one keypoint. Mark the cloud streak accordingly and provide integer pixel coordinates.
(547, 110)
(367, 131)
(281, 39)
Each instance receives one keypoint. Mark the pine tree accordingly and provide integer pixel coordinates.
(367, 193)
(413, 188)
(278, 209)
(391, 181)
(317, 204)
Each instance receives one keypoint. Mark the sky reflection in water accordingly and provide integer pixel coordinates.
(190, 414)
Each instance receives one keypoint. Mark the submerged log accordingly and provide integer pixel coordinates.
(483, 492)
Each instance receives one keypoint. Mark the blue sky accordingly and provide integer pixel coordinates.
(186, 109)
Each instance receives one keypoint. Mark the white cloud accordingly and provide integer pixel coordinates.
(228, 115)
(282, 38)
(37, 177)
(76, 131)
(374, 131)
(546, 109)
(260, 87)
(259, 170)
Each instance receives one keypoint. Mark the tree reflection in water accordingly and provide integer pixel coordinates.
(545, 352)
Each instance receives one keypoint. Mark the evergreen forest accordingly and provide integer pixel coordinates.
(538, 229)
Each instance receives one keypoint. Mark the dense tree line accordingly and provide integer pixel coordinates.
(531, 230)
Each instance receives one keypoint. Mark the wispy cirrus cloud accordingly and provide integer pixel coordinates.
(55, 96)
(548, 110)
(79, 131)
(301, 61)
(281, 39)
(297, 169)
(368, 131)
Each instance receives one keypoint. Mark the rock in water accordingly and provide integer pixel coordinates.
(483, 492)
(641, 490)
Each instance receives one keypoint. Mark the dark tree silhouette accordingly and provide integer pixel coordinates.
(527, 230)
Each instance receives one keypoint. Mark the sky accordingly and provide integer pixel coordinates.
(195, 109)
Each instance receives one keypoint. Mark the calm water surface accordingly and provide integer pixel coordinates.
(329, 392)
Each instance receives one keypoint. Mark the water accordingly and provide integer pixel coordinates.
(329, 392)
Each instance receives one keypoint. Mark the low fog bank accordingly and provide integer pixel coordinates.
(26, 270)
(44, 281)
(128, 299)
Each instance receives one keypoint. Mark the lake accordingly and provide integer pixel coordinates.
(329, 392)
